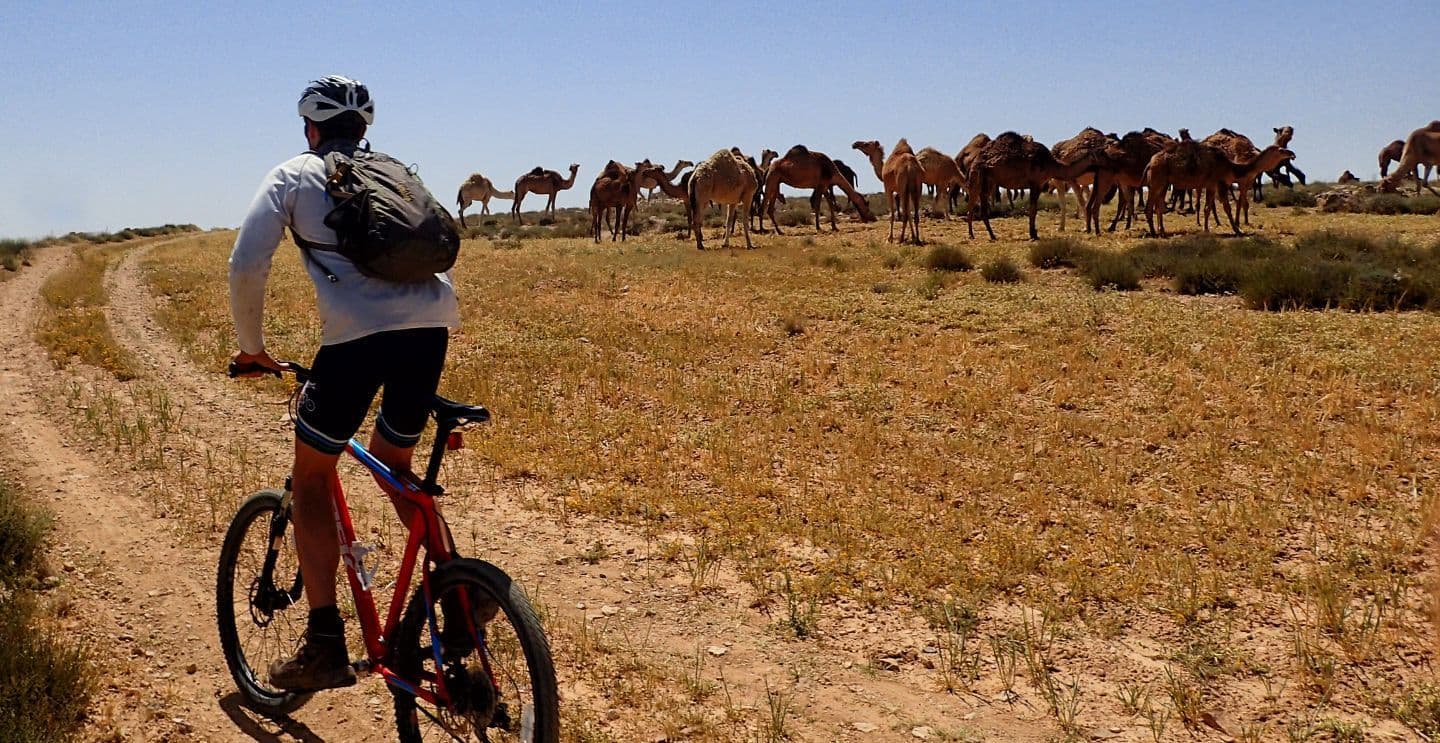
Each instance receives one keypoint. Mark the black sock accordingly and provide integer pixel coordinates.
(326, 621)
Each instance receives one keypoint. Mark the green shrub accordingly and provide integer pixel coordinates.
(947, 258)
(1213, 274)
(1059, 252)
(1295, 282)
(1384, 203)
(22, 535)
(894, 261)
(1111, 271)
(1001, 271)
(1277, 197)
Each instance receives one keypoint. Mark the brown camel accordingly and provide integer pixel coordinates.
(1013, 161)
(479, 188)
(902, 175)
(802, 168)
(541, 181)
(1237, 147)
(940, 171)
(726, 179)
(1391, 153)
(1122, 164)
(648, 185)
(1089, 140)
(1346, 178)
(1422, 147)
(1203, 167)
(617, 187)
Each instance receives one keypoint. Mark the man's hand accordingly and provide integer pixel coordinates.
(249, 361)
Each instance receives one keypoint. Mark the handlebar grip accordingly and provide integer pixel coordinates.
(236, 370)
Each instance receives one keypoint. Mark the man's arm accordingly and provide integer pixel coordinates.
(260, 234)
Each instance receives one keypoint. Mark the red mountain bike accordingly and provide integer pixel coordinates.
(467, 660)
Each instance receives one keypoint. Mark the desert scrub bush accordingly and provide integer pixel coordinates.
(1277, 197)
(1293, 283)
(45, 679)
(893, 261)
(14, 253)
(1001, 271)
(1111, 271)
(947, 258)
(1059, 252)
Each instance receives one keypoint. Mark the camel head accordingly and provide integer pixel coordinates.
(574, 168)
(870, 147)
(1185, 135)
(682, 164)
(1283, 135)
(766, 156)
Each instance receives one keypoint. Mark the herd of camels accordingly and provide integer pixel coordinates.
(1142, 166)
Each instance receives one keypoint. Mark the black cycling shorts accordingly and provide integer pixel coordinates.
(346, 376)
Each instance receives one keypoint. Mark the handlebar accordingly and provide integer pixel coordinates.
(301, 373)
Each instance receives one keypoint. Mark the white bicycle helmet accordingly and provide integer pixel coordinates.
(331, 96)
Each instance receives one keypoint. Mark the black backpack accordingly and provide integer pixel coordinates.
(388, 224)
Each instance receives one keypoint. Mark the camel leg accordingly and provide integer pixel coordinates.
(515, 207)
(1062, 191)
(830, 199)
(1034, 207)
(746, 228)
(892, 220)
(485, 207)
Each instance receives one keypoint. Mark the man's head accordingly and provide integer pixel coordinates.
(336, 107)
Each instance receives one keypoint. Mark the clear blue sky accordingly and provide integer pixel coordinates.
(130, 114)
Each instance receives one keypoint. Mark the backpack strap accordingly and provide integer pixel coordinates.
(308, 249)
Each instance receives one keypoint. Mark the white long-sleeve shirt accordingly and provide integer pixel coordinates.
(293, 195)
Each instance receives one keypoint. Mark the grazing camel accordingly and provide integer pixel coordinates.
(617, 187)
(726, 179)
(648, 185)
(1422, 147)
(902, 176)
(1391, 153)
(1121, 164)
(1204, 167)
(1346, 178)
(1069, 150)
(478, 188)
(1013, 161)
(941, 172)
(847, 173)
(802, 168)
(1236, 147)
(541, 181)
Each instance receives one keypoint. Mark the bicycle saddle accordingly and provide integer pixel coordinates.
(449, 414)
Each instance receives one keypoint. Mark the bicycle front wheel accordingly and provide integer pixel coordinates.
(256, 589)
(475, 631)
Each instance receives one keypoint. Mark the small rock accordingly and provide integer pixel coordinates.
(68, 567)
(865, 727)
(609, 611)
(717, 650)
(888, 664)
(923, 732)
(1019, 477)
(580, 605)
(192, 668)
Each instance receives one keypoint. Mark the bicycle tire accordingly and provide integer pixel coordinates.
(541, 712)
(256, 510)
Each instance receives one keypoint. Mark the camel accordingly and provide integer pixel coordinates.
(1013, 161)
(1067, 151)
(617, 187)
(1286, 174)
(801, 168)
(941, 172)
(726, 179)
(1347, 177)
(650, 184)
(902, 175)
(1122, 164)
(1391, 153)
(478, 188)
(766, 156)
(1236, 147)
(847, 172)
(1422, 147)
(1205, 167)
(541, 181)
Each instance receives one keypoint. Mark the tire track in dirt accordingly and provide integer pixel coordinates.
(645, 598)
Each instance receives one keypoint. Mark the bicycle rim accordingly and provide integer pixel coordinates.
(505, 689)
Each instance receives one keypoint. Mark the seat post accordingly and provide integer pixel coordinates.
(437, 453)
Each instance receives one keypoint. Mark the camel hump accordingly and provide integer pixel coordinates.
(798, 150)
(538, 171)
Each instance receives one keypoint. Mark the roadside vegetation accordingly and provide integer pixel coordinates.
(1025, 473)
(46, 678)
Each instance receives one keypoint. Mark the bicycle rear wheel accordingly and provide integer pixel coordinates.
(496, 666)
(256, 612)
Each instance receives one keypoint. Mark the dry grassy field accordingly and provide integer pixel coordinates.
(1103, 505)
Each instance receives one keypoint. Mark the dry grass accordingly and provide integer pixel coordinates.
(73, 327)
(1246, 489)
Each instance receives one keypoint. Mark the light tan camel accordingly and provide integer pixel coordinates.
(1122, 164)
(648, 185)
(1069, 150)
(725, 179)
(1422, 148)
(541, 181)
(1013, 161)
(802, 168)
(478, 188)
(902, 177)
(942, 172)
(617, 187)
(1237, 147)
(1195, 165)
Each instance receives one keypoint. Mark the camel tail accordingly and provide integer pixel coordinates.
(460, 198)
(504, 195)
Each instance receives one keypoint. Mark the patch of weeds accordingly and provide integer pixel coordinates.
(947, 258)
(882, 288)
(1111, 271)
(1278, 197)
(1059, 252)
(1001, 271)
(1419, 710)
(893, 261)
(834, 263)
(793, 325)
(930, 286)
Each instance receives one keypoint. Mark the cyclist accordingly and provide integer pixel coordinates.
(376, 335)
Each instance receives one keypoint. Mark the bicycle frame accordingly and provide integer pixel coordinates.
(426, 528)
